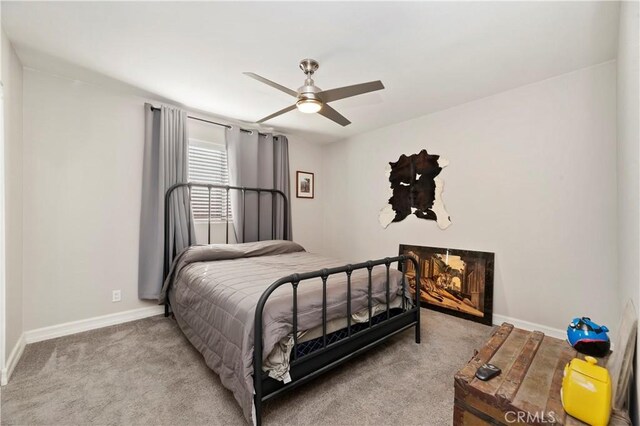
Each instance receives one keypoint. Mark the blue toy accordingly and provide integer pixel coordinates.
(588, 337)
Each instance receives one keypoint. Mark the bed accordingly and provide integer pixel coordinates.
(268, 316)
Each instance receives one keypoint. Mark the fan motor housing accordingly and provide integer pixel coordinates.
(309, 90)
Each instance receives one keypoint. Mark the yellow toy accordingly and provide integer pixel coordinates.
(586, 391)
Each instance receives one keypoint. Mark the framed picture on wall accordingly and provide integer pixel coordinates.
(305, 184)
(453, 281)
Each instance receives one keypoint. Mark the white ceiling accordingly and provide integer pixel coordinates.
(430, 56)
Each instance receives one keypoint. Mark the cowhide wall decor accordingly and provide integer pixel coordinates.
(416, 189)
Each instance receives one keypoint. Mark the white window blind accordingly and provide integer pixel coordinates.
(208, 164)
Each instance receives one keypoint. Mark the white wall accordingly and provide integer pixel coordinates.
(83, 151)
(307, 213)
(12, 84)
(83, 146)
(532, 178)
(628, 113)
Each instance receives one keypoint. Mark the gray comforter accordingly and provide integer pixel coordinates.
(214, 290)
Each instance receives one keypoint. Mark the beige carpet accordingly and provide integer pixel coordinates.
(145, 372)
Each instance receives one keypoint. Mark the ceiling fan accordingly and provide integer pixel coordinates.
(312, 99)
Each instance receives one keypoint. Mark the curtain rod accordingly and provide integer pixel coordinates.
(228, 126)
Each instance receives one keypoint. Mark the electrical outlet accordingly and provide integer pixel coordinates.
(116, 296)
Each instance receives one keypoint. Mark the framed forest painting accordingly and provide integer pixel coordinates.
(305, 185)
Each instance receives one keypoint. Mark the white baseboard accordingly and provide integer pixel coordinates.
(12, 360)
(68, 328)
(74, 327)
(531, 326)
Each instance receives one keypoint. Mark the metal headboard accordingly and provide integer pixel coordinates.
(243, 190)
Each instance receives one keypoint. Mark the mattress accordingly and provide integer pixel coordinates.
(309, 345)
(214, 290)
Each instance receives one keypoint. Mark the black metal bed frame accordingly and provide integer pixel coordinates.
(308, 366)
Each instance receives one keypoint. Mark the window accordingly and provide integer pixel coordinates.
(208, 164)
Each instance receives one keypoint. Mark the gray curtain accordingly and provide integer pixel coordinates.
(257, 161)
(165, 163)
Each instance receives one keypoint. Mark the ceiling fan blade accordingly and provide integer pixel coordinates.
(333, 115)
(272, 84)
(275, 114)
(348, 91)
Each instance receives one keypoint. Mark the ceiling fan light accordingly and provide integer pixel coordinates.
(309, 106)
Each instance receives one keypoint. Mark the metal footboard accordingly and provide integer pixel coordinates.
(309, 366)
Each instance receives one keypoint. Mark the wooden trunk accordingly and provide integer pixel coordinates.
(528, 389)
